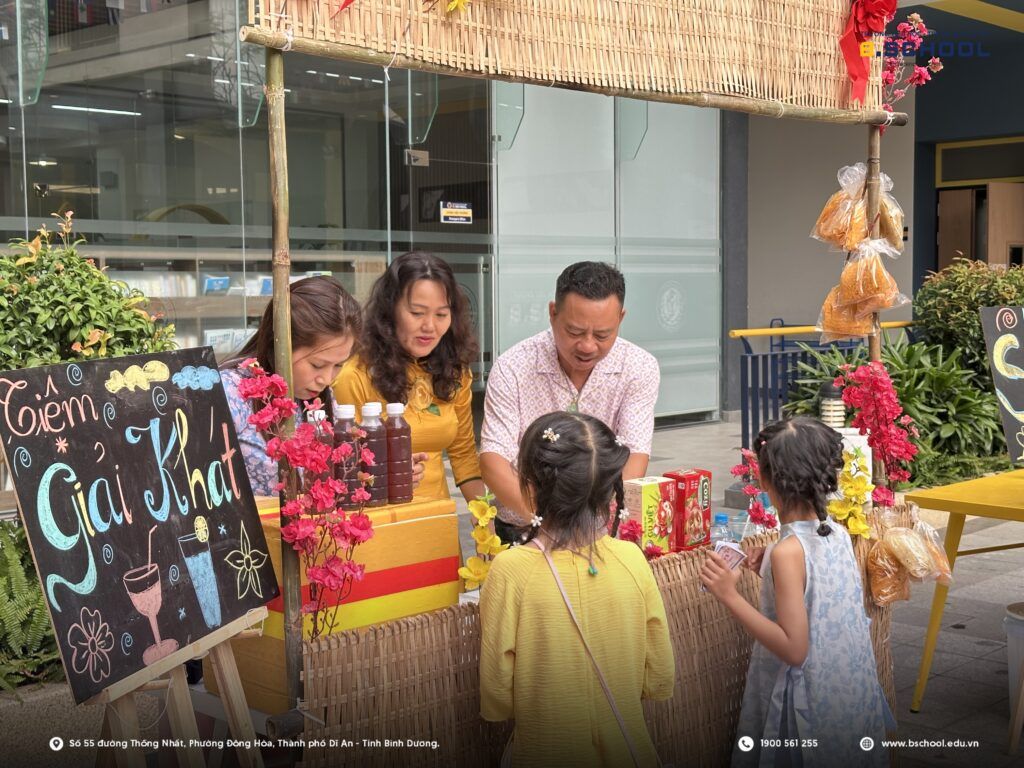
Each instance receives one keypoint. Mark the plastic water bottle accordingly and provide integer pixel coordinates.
(720, 530)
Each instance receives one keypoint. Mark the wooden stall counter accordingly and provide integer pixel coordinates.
(412, 565)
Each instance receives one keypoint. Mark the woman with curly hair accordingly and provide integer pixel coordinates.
(415, 348)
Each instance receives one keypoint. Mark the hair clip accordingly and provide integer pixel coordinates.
(550, 435)
(536, 521)
(619, 441)
(623, 514)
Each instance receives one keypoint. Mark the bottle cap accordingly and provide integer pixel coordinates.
(395, 409)
(344, 411)
(721, 518)
(371, 409)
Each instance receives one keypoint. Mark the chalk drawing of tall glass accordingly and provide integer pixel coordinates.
(200, 569)
(143, 585)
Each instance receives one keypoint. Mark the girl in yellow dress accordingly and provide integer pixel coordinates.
(415, 348)
(534, 667)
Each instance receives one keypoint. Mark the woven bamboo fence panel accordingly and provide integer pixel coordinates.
(782, 51)
(418, 678)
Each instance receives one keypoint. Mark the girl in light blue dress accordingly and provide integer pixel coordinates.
(812, 696)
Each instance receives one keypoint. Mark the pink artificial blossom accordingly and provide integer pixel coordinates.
(920, 76)
(935, 64)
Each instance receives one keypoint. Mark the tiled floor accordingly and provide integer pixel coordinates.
(967, 693)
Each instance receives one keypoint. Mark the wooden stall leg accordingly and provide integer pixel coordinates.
(105, 757)
(183, 719)
(954, 530)
(233, 698)
(123, 719)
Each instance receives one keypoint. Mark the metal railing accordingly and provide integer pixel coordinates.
(766, 378)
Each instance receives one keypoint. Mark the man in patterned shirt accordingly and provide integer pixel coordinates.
(579, 364)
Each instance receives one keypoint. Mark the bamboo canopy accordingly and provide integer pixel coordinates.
(778, 58)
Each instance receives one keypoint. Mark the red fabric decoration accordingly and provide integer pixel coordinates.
(867, 17)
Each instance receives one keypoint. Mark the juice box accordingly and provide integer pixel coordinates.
(693, 508)
(651, 501)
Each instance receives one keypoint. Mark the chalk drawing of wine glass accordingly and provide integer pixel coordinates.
(144, 589)
(199, 561)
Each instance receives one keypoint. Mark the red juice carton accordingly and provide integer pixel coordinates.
(693, 508)
(651, 501)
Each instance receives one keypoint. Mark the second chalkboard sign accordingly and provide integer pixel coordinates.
(137, 507)
(1004, 329)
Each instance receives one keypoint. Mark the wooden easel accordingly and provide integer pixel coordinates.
(121, 719)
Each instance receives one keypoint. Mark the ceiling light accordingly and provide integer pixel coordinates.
(96, 110)
(190, 55)
(332, 74)
(179, 137)
(6, 101)
(43, 162)
(353, 77)
(222, 81)
(310, 71)
(214, 58)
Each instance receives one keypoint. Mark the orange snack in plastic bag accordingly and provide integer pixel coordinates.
(891, 221)
(867, 280)
(841, 322)
(887, 577)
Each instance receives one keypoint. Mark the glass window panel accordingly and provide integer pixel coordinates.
(669, 251)
(556, 202)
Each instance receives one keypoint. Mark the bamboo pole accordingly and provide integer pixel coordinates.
(341, 51)
(874, 199)
(291, 583)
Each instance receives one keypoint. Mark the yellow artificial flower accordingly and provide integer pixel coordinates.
(857, 525)
(840, 509)
(474, 572)
(457, 5)
(483, 511)
(856, 488)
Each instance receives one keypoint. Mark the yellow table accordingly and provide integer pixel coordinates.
(1000, 497)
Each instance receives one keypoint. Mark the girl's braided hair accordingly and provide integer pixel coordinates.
(570, 467)
(801, 458)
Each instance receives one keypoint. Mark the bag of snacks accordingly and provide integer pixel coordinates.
(888, 579)
(912, 551)
(843, 222)
(841, 322)
(890, 219)
(865, 284)
(943, 570)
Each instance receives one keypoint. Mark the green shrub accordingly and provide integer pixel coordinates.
(28, 649)
(958, 418)
(56, 306)
(946, 308)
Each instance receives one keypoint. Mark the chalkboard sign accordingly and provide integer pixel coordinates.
(1004, 330)
(137, 506)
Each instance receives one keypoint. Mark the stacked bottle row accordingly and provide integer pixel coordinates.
(390, 442)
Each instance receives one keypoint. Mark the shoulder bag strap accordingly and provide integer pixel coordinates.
(600, 676)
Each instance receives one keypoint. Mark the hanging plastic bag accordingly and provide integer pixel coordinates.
(912, 551)
(865, 285)
(841, 322)
(890, 220)
(943, 570)
(843, 222)
(887, 578)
